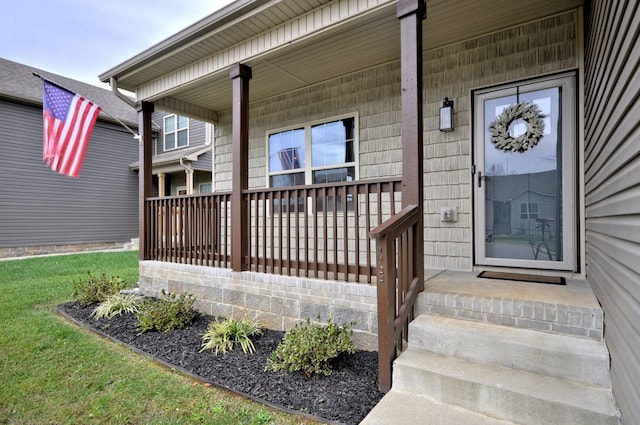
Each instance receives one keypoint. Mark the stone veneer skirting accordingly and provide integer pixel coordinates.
(279, 302)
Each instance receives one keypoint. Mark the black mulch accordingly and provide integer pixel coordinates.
(345, 397)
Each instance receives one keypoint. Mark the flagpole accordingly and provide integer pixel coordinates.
(135, 135)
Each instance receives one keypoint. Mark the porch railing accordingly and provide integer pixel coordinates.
(399, 283)
(321, 230)
(313, 231)
(191, 229)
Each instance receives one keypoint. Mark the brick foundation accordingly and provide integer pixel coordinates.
(279, 302)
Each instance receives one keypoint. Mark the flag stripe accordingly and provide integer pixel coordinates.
(68, 122)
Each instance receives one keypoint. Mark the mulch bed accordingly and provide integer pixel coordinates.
(344, 397)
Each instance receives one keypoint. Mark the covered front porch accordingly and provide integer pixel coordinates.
(353, 247)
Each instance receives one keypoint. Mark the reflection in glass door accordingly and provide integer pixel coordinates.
(524, 194)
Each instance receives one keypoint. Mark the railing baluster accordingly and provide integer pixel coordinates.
(316, 246)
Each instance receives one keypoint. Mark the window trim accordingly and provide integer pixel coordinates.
(164, 132)
(205, 183)
(527, 214)
(308, 169)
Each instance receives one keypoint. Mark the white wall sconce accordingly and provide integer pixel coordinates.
(446, 115)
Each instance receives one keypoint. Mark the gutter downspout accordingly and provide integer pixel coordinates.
(114, 88)
(190, 171)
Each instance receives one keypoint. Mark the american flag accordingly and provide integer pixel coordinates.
(68, 122)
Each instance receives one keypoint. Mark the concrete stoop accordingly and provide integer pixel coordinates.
(458, 371)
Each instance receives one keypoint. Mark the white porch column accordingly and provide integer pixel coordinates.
(161, 184)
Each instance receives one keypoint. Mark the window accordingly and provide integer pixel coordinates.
(315, 153)
(529, 210)
(206, 187)
(176, 132)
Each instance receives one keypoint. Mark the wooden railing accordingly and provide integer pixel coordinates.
(321, 230)
(399, 282)
(191, 229)
(313, 231)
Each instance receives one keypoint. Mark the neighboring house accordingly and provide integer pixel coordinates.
(45, 212)
(327, 118)
(182, 155)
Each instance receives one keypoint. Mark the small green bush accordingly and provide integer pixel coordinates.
(311, 347)
(224, 335)
(166, 314)
(96, 289)
(117, 304)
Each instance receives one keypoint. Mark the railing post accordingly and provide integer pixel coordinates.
(145, 109)
(240, 74)
(386, 309)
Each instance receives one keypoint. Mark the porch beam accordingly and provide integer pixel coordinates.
(411, 14)
(240, 74)
(179, 107)
(145, 109)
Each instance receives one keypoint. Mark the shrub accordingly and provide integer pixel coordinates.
(311, 347)
(96, 289)
(166, 314)
(117, 304)
(224, 335)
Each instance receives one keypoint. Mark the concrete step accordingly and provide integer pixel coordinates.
(402, 408)
(495, 391)
(571, 309)
(576, 359)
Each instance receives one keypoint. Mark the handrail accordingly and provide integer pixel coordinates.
(398, 285)
(397, 224)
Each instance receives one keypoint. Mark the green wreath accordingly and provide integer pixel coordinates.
(499, 128)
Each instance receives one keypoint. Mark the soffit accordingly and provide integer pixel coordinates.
(353, 45)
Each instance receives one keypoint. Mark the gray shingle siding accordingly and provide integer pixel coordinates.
(40, 207)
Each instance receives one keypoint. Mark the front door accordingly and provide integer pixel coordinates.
(524, 180)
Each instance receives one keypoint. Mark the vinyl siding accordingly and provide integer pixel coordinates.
(612, 185)
(40, 207)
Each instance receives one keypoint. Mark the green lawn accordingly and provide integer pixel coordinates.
(52, 372)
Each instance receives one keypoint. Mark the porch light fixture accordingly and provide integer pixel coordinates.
(446, 115)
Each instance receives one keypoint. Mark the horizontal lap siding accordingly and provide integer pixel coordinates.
(612, 184)
(40, 207)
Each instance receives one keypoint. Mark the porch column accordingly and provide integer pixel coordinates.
(240, 74)
(145, 109)
(161, 184)
(411, 13)
(188, 175)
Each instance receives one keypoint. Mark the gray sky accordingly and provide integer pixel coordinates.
(81, 39)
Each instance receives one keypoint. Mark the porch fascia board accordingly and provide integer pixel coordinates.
(315, 22)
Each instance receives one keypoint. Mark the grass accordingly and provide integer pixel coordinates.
(53, 372)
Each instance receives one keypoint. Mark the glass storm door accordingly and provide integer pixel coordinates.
(524, 212)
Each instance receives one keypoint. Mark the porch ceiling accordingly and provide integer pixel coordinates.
(357, 43)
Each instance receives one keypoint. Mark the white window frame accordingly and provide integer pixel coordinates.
(308, 169)
(525, 215)
(176, 131)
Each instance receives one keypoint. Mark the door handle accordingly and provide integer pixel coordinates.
(479, 178)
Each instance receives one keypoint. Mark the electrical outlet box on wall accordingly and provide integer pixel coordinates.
(449, 214)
